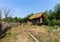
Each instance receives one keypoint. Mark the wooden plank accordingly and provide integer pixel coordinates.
(33, 37)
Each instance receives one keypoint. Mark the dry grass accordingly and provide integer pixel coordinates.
(17, 34)
(51, 34)
(42, 33)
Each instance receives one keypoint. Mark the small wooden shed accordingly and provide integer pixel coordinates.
(37, 18)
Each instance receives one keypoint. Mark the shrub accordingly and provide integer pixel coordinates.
(46, 22)
(58, 23)
(53, 22)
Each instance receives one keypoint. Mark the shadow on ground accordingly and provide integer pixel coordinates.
(3, 32)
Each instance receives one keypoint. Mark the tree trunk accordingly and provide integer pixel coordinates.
(0, 28)
(0, 25)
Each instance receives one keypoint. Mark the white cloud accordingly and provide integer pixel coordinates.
(17, 9)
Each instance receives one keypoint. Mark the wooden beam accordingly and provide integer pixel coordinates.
(33, 37)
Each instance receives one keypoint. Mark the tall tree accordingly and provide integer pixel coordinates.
(52, 15)
(6, 13)
(0, 23)
(57, 10)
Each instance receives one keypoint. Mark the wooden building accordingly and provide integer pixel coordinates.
(37, 18)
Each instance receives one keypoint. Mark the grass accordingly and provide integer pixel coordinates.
(14, 32)
(47, 36)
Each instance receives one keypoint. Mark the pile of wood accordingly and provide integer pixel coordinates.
(12, 24)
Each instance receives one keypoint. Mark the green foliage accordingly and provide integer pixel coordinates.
(46, 20)
(53, 17)
(10, 19)
(58, 22)
(25, 19)
(53, 22)
(16, 19)
(57, 10)
(20, 20)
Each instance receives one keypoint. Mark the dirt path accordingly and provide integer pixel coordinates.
(20, 34)
(24, 37)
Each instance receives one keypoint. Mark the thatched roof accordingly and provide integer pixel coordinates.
(37, 15)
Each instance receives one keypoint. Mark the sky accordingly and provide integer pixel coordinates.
(22, 8)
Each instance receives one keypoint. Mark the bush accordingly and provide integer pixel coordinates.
(45, 21)
(58, 23)
(53, 22)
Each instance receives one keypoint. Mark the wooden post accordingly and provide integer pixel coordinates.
(41, 20)
(33, 37)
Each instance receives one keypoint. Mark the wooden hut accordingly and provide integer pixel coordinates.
(37, 18)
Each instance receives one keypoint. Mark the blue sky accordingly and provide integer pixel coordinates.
(21, 8)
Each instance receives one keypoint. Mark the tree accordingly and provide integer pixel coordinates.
(6, 13)
(52, 15)
(57, 10)
(27, 18)
(0, 23)
(16, 19)
(10, 19)
(20, 20)
(46, 20)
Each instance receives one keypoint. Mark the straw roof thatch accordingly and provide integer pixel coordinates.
(37, 15)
